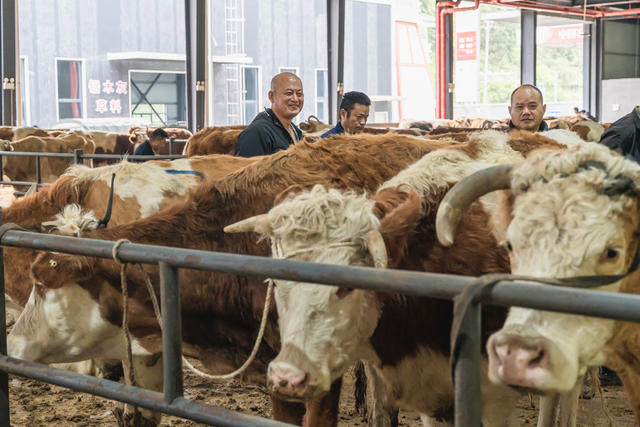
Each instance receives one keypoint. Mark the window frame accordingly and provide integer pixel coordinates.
(326, 98)
(82, 84)
(288, 70)
(150, 70)
(25, 91)
(244, 91)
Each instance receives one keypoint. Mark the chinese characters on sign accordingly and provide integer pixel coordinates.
(113, 105)
(466, 46)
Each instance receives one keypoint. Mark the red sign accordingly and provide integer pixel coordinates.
(560, 35)
(467, 46)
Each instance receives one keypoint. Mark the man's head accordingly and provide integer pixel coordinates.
(527, 108)
(158, 138)
(286, 95)
(354, 111)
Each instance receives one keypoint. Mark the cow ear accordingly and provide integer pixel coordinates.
(54, 270)
(400, 212)
(291, 192)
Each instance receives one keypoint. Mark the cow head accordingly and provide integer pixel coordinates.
(5, 145)
(323, 329)
(571, 213)
(62, 321)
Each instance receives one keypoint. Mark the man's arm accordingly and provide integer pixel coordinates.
(253, 141)
(612, 139)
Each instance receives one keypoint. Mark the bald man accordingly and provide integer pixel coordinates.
(272, 129)
(527, 109)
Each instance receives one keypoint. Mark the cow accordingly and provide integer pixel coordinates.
(325, 328)
(138, 135)
(213, 140)
(314, 125)
(24, 169)
(11, 133)
(220, 313)
(111, 143)
(562, 214)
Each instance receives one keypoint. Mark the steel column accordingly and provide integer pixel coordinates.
(335, 56)
(196, 34)
(468, 400)
(597, 61)
(448, 65)
(171, 332)
(528, 22)
(8, 53)
(587, 70)
(4, 377)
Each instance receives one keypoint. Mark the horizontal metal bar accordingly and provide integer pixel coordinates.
(131, 156)
(152, 400)
(32, 154)
(42, 184)
(443, 286)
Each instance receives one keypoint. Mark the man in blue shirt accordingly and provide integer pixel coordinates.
(354, 112)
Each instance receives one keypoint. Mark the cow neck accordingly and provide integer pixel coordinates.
(427, 321)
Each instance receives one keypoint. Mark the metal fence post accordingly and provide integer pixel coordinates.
(77, 156)
(2, 166)
(38, 171)
(468, 401)
(171, 146)
(171, 332)
(4, 377)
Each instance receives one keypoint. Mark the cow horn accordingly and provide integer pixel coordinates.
(463, 194)
(32, 190)
(258, 223)
(375, 244)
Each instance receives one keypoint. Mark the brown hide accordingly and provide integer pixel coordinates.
(214, 140)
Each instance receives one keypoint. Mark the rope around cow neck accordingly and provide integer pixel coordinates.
(156, 309)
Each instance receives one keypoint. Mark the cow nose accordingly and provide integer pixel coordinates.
(517, 365)
(287, 380)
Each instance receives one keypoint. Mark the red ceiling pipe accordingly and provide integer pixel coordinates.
(446, 7)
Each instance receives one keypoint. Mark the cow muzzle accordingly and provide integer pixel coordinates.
(535, 364)
(290, 376)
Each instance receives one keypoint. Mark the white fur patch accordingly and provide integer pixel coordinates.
(72, 221)
(146, 182)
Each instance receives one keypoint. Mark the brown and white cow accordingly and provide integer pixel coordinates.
(220, 313)
(588, 130)
(12, 133)
(567, 214)
(324, 329)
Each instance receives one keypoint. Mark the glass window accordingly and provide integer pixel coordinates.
(24, 91)
(159, 97)
(69, 89)
(289, 70)
(322, 104)
(251, 93)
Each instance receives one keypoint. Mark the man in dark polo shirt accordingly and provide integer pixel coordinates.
(151, 145)
(623, 135)
(272, 129)
(527, 109)
(354, 112)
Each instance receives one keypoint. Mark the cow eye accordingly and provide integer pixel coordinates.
(509, 247)
(612, 253)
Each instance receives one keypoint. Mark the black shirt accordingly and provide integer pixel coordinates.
(265, 135)
(623, 136)
(143, 149)
(543, 126)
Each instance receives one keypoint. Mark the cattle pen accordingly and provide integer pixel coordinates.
(170, 260)
(78, 157)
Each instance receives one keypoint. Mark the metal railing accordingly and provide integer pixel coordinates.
(467, 388)
(77, 158)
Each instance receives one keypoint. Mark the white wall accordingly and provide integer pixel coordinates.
(619, 97)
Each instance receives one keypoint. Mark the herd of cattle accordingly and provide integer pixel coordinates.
(565, 206)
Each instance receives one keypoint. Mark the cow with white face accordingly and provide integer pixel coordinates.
(572, 213)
